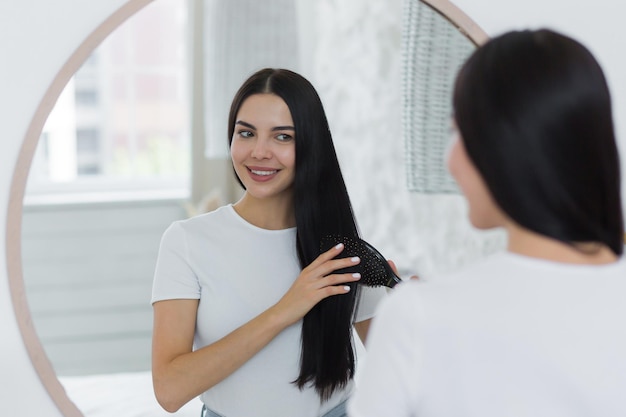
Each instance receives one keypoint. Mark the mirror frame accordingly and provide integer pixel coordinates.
(34, 348)
(459, 19)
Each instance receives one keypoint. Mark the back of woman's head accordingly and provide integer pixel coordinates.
(322, 207)
(534, 111)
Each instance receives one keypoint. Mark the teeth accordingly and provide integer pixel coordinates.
(255, 172)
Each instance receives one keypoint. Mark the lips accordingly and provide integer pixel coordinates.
(262, 174)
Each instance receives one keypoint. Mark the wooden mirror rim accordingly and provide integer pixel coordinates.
(34, 348)
(459, 19)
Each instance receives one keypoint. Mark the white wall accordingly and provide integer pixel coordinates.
(88, 271)
(38, 36)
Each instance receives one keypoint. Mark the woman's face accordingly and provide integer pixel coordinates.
(263, 148)
(484, 213)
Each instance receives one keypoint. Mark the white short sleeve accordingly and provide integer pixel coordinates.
(370, 298)
(174, 277)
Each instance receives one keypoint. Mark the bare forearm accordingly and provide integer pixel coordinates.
(188, 375)
(180, 374)
(362, 329)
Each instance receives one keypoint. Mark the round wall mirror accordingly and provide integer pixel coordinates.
(86, 255)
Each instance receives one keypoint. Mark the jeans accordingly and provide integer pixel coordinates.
(337, 411)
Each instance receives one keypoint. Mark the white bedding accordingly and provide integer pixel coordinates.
(120, 395)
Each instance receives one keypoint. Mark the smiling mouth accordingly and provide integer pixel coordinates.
(263, 173)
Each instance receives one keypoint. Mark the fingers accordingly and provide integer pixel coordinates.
(336, 264)
(335, 290)
(319, 279)
(328, 255)
(393, 266)
(335, 284)
(317, 282)
(338, 279)
(325, 263)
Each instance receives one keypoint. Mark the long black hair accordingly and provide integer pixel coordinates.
(534, 112)
(322, 206)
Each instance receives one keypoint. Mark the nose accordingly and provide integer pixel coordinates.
(261, 149)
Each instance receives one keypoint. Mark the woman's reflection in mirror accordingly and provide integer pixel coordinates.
(248, 314)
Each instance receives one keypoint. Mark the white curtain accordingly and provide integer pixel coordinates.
(433, 51)
(240, 37)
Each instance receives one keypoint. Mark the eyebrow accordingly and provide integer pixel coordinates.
(276, 128)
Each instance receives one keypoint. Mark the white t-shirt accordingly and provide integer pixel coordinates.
(238, 270)
(509, 336)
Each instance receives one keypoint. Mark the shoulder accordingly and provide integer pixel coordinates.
(480, 271)
(183, 233)
(445, 289)
(216, 218)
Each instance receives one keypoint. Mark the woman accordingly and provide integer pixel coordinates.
(536, 330)
(247, 313)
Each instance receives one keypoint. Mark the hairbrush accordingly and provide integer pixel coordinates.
(374, 268)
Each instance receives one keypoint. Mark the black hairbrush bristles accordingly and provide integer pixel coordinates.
(374, 268)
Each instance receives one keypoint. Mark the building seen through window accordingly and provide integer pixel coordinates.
(122, 122)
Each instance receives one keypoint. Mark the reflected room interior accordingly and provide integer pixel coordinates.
(137, 141)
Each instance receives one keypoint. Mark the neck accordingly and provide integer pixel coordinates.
(525, 242)
(270, 214)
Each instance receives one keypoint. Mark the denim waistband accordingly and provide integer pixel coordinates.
(337, 411)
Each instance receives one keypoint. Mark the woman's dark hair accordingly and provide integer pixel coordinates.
(534, 112)
(322, 207)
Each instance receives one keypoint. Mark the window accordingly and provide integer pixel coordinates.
(121, 123)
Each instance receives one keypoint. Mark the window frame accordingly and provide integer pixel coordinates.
(103, 188)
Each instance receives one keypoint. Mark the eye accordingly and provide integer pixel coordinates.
(245, 133)
(283, 137)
